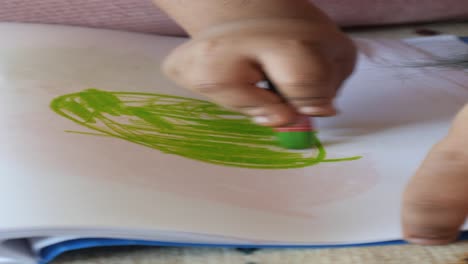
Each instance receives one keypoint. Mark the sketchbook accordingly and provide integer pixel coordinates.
(99, 148)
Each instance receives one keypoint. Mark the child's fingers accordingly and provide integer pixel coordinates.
(263, 106)
(435, 203)
(231, 82)
(305, 77)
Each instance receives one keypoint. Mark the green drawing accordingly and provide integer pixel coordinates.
(186, 127)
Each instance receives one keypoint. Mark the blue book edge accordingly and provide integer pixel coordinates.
(49, 253)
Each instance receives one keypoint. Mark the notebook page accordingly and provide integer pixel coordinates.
(59, 176)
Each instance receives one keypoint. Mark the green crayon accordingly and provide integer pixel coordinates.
(297, 135)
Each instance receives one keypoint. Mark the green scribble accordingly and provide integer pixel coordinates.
(87, 133)
(186, 127)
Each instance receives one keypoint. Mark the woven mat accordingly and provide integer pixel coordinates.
(407, 254)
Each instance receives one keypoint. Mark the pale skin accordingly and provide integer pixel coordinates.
(235, 44)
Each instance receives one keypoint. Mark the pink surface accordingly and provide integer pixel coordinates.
(289, 192)
(143, 16)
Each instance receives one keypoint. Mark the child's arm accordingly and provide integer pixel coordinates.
(435, 203)
(237, 43)
(196, 16)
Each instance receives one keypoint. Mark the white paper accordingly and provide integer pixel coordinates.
(55, 182)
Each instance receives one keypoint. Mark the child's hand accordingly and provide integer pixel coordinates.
(436, 200)
(300, 50)
(306, 61)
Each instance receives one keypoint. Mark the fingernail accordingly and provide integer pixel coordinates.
(255, 111)
(261, 119)
(317, 110)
